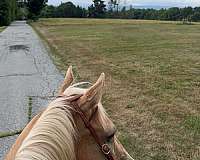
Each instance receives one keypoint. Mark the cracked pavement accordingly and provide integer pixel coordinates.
(26, 70)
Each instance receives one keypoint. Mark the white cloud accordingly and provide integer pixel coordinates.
(137, 2)
(77, 2)
(166, 2)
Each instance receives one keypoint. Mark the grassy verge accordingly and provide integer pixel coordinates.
(153, 77)
(8, 134)
(30, 107)
(2, 28)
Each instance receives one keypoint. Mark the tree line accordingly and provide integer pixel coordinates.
(33, 9)
(112, 10)
(171, 14)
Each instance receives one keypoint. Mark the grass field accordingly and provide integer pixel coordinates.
(153, 79)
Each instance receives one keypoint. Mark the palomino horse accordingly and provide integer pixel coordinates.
(74, 126)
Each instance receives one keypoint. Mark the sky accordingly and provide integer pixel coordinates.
(169, 3)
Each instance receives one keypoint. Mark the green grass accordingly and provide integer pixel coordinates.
(30, 103)
(8, 134)
(153, 78)
(192, 123)
(2, 28)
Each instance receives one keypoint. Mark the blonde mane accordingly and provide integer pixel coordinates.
(54, 134)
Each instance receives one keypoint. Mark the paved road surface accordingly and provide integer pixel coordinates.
(25, 71)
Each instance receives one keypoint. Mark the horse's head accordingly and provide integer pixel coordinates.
(86, 146)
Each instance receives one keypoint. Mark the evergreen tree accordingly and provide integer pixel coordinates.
(7, 11)
(35, 7)
(48, 11)
(97, 10)
(66, 10)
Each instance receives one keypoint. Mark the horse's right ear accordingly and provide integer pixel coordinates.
(69, 78)
(94, 94)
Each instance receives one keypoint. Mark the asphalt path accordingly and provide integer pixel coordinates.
(28, 78)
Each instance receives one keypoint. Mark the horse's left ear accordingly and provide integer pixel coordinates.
(69, 78)
(94, 94)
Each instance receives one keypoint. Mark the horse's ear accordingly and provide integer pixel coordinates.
(94, 93)
(67, 81)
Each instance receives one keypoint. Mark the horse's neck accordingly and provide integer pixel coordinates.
(12, 153)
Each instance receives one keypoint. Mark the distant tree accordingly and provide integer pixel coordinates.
(113, 5)
(91, 11)
(196, 9)
(123, 12)
(110, 6)
(4, 13)
(116, 4)
(97, 10)
(114, 9)
(64, 10)
(196, 14)
(149, 14)
(81, 12)
(49, 11)
(7, 11)
(186, 12)
(162, 14)
(35, 7)
(22, 13)
(196, 17)
(67, 9)
(173, 14)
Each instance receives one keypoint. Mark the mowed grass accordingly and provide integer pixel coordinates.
(153, 78)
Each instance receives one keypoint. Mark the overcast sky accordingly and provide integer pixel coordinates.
(179, 3)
